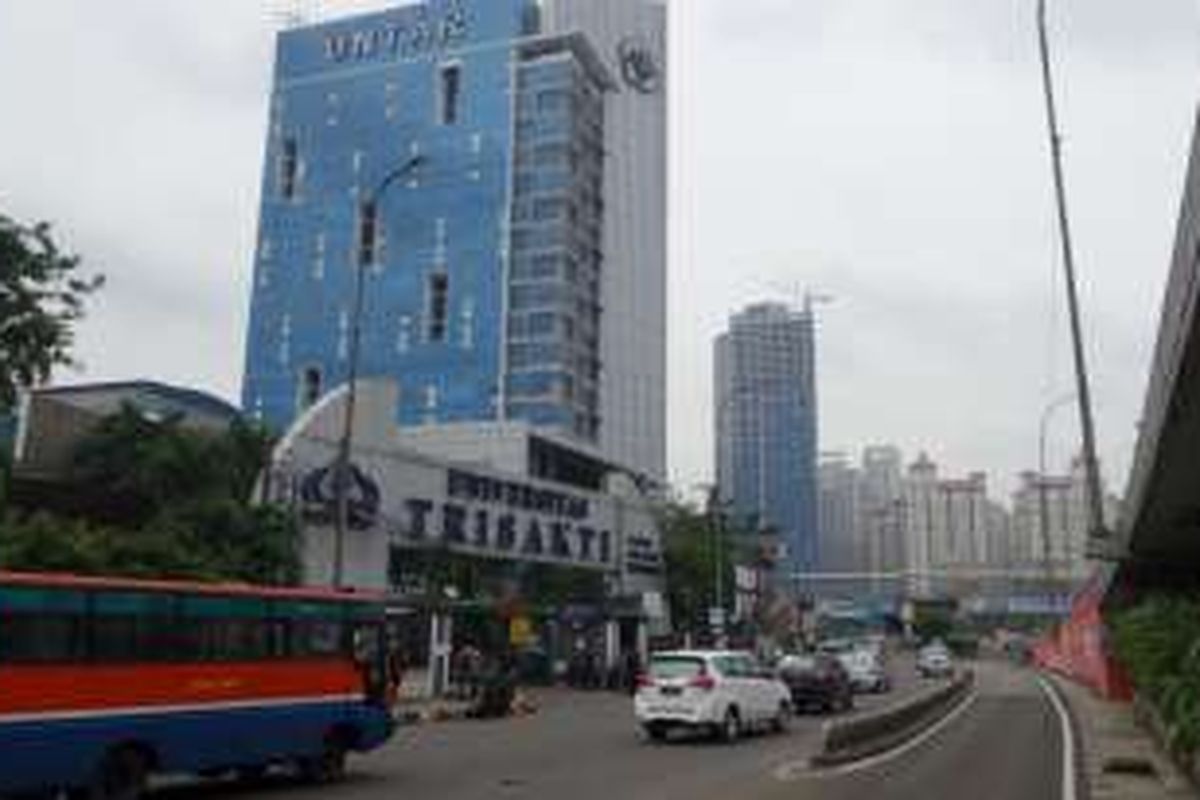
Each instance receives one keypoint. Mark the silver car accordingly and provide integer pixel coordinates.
(934, 661)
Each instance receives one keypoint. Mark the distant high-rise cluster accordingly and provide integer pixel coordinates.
(890, 530)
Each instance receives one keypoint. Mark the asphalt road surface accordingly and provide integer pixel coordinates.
(584, 746)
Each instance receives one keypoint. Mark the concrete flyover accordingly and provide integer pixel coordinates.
(1157, 541)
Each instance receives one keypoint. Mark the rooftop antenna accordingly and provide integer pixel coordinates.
(813, 299)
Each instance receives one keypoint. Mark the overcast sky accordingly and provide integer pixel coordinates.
(888, 153)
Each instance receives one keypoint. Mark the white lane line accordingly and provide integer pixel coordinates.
(1068, 738)
(801, 769)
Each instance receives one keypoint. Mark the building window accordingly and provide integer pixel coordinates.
(343, 345)
(368, 235)
(289, 168)
(430, 417)
(285, 339)
(449, 93)
(438, 299)
(404, 338)
(310, 388)
(467, 330)
(318, 271)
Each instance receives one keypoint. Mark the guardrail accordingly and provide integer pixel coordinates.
(865, 735)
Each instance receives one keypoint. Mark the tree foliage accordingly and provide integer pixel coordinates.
(170, 501)
(696, 551)
(1158, 641)
(154, 466)
(42, 296)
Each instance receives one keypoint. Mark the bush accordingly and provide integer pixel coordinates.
(1158, 641)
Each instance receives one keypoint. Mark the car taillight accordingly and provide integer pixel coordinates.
(703, 682)
(644, 681)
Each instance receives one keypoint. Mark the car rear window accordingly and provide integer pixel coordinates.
(798, 664)
(861, 659)
(676, 667)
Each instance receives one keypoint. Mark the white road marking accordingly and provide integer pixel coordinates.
(800, 769)
(1068, 737)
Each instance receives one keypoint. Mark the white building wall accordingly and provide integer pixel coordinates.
(922, 522)
(1066, 524)
(951, 528)
(881, 508)
(839, 548)
(634, 292)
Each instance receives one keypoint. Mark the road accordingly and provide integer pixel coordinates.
(583, 746)
(1005, 744)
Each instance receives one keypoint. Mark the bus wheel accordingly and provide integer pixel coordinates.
(122, 776)
(330, 765)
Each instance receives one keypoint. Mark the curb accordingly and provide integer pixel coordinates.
(877, 732)
(1083, 788)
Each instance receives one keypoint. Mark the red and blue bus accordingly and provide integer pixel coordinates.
(104, 682)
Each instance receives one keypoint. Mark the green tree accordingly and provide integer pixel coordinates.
(695, 549)
(166, 501)
(42, 296)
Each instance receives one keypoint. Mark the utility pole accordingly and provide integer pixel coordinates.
(717, 527)
(1097, 528)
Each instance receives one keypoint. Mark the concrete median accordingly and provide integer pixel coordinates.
(874, 732)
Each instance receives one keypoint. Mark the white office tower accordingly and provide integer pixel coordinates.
(631, 36)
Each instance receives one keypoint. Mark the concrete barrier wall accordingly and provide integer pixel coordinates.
(867, 734)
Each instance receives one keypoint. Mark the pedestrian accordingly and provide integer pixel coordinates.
(472, 667)
(633, 668)
(395, 673)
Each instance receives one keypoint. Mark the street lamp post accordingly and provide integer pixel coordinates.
(368, 220)
(716, 522)
(1043, 505)
(1084, 395)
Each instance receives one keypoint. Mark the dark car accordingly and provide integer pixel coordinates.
(817, 681)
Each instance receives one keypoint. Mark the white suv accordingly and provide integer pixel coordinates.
(723, 692)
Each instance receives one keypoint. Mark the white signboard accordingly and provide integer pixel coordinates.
(399, 499)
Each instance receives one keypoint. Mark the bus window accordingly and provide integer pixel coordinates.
(114, 638)
(41, 625)
(40, 638)
(133, 627)
(278, 638)
(317, 637)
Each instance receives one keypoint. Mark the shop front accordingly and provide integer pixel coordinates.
(563, 581)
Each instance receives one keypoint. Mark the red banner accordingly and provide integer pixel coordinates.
(1078, 648)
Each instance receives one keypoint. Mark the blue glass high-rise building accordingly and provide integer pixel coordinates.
(766, 425)
(487, 263)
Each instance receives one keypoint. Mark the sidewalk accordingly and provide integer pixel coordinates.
(1120, 760)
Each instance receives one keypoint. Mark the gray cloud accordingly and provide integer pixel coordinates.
(1112, 30)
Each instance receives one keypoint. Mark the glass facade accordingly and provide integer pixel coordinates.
(766, 416)
(454, 158)
(554, 292)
